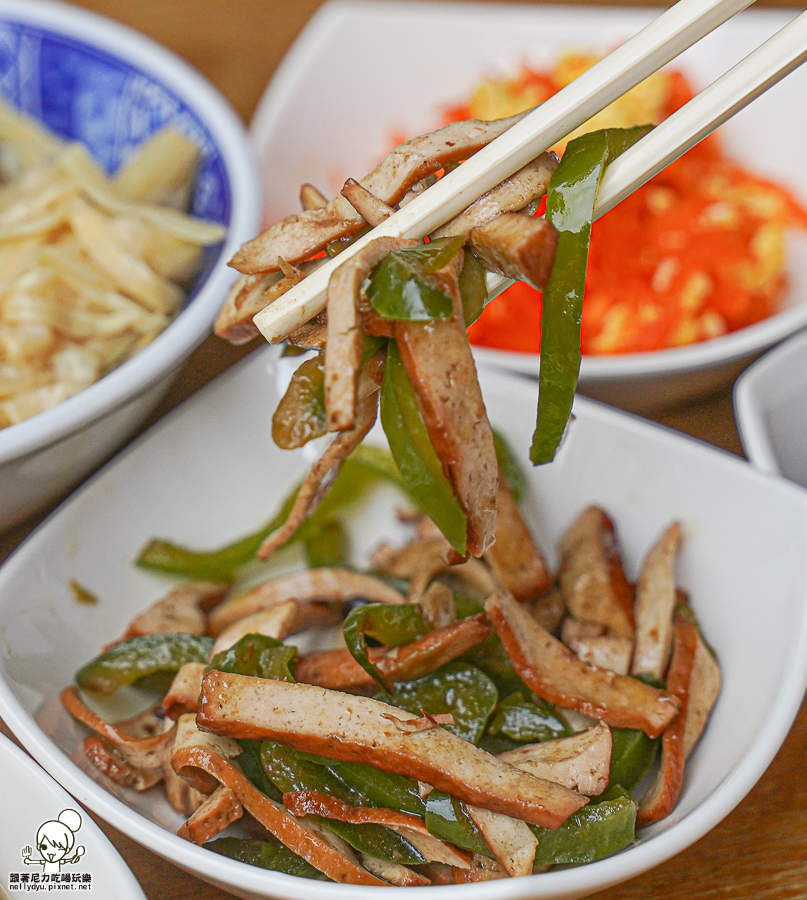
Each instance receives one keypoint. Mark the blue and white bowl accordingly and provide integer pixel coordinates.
(89, 79)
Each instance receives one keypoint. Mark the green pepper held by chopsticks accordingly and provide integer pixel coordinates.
(570, 208)
(414, 454)
(401, 288)
(142, 657)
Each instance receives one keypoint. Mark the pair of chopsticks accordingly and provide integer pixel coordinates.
(656, 45)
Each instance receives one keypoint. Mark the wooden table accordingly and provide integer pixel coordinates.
(760, 850)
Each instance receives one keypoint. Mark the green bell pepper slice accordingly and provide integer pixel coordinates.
(267, 854)
(327, 547)
(258, 655)
(632, 754)
(447, 819)
(365, 467)
(526, 721)
(300, 415)
(570, 203)
(414, 454)
(456, 688)
(250, 761)
(598, 830)
(473, 287)
(144, 656)
(291, 771)
(390, 625)
(401, 288)
(510, 468)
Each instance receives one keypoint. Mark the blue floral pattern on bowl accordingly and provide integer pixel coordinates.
(85, 94)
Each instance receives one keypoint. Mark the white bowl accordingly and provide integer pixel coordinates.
(29, 798)
(399, 65)
(770, 404)
(95, 80)
(746, 538)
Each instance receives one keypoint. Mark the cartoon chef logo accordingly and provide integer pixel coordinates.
(56, 842)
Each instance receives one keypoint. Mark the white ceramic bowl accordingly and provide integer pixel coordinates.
(363, 72)
(770, 404)
(29, 798)
(94, 80)
(746, 538)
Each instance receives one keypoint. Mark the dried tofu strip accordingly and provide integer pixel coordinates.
(591, 576)
(281, 621)
(183, 695)
(314, 803)
(510, 840)
(343, 351)
(316, 484)
(553, 672)
(482, 869)
(517, 246)
(298, 237)
(348, 727)
(704, 688)
(522, 188)
(311, 197)
(206, 761)
(394, 873)
(367, 205)
(605, 651)
(330, 585)
(181, 611)
(514, 557)
(148, 753)
(101, 754)
(580, 762)
(438, 360)
(338, 670)
(655, 602)
(217, 812)
(660, 800)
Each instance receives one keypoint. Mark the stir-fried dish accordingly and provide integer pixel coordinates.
(480, 720)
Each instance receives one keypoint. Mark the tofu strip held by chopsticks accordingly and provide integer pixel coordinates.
(340, 726)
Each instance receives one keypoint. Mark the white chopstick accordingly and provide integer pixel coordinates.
(768, 64)
(661, 41)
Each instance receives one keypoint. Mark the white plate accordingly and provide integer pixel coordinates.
(32, 805)
(210, 472)
(770, 403)
(363, 72)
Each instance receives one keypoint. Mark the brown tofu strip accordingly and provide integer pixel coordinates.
(102, 755)
(338, 670)
(347, 727)
(438, 360)
(394, 873)
(704, 688)
(514, 557)
(553, 672)
(324, 585)
(183, 695)
(580, 762)
(202, 758)
(181, 611)
(298, 237)
(591, 576)
(605, 651)
(217, 812)
(655, 602)
(517, 246)
(510, 840)
(661, 798)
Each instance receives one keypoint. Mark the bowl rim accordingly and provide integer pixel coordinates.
(750, 399)
(169, 349)
(562, 883)
(743, 344)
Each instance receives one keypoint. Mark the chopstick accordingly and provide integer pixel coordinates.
(768, 64)
(653, 47)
